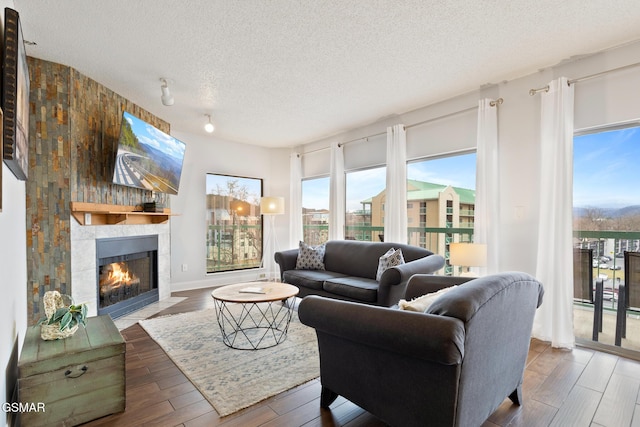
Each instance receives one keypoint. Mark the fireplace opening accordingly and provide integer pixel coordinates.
(127, 274)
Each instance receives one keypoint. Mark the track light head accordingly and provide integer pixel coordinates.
(166, 98)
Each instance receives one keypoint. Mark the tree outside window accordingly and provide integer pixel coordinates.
(234, 223)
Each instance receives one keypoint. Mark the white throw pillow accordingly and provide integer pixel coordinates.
(390, 259)
(310, 257)
(422, 303)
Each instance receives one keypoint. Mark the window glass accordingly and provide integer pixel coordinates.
(315, 210)
(364, 204)
(606, 224)
(234, 223)
(441, 202)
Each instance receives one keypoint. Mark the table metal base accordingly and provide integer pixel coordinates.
(253, 325)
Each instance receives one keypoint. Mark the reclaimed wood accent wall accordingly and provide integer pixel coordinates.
(74, 124)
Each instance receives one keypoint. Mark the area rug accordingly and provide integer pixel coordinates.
(234, 379)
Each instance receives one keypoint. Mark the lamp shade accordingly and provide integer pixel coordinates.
(272, 205)
(468, 254)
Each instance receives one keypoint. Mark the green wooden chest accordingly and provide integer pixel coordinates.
(75, 380)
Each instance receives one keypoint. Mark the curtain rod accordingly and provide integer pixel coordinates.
(340, 144)
(495, 103)
(581, 79)
(366, 138)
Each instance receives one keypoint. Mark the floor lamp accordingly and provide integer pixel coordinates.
(271, 206)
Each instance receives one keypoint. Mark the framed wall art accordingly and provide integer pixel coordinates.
(15, 97)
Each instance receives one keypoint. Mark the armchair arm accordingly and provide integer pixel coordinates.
(286, 260)
(421, 284)
(393, 282)
(422, 336)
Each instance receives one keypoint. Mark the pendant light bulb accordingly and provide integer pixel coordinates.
(209, 126)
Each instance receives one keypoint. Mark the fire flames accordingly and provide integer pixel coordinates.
(117, 283)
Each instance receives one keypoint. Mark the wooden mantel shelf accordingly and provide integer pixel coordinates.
(105, 214)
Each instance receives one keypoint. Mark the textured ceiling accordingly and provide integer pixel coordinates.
(284, 72)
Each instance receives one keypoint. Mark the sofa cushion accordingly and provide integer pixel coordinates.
(390, 259)
(313, 279)
(353, 287)
(422, 303)
(310, 257)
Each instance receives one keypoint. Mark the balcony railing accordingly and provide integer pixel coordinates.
(608, 250)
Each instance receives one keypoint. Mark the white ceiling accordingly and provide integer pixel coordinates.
(280, 73)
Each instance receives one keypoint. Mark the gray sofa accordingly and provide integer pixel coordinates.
(350, 271)
(452, 365)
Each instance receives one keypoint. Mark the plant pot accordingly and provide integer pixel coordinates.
(53, 301)
(53, 332)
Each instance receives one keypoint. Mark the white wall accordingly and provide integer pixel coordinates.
(208, 154)
(13, 265)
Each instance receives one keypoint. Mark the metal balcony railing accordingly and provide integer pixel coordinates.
(608, 251)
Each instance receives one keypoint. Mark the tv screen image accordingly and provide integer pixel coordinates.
(147, 158)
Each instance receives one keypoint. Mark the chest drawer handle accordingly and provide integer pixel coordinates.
(75, 373)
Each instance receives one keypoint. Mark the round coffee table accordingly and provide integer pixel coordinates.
(254, 315)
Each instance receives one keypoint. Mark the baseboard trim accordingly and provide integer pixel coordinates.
(220, 279)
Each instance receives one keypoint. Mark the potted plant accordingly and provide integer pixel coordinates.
(62, 317)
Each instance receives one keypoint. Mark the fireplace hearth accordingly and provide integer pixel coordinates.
(127, 274)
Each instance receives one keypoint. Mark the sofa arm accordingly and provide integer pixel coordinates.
(286, 260)
(437, 339)
(422, 284)
(393, 282)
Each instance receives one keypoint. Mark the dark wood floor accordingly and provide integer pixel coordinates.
(579, 388)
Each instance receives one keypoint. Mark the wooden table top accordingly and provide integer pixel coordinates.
(271, 291)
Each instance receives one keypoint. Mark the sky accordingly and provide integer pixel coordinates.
(458, 171)
(606, 169)
(606, 174)
(253, 185)
(154, 137)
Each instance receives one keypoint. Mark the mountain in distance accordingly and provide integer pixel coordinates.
(609, 212)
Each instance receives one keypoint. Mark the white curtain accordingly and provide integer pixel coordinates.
(295, 201)
(487, 207)
(395, 209)
(554, 318)
(336, 194)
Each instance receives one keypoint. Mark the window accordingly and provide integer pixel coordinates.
(606, 216)
(364, 204)
(443, 192)
(315, 210)
(605, 191)
(234, 223)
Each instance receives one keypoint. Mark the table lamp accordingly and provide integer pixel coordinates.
(468, 255)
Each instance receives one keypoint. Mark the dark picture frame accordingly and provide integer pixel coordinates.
(15, 97)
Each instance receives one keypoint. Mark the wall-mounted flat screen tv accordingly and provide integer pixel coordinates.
(147, 158)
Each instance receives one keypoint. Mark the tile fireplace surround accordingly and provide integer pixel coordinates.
(83, 257)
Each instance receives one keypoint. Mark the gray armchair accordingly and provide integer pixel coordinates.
(450, 366)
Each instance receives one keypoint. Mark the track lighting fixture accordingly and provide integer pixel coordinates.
(167, 98)
(209, 126)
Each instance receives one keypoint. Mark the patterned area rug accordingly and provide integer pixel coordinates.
(234, 379)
